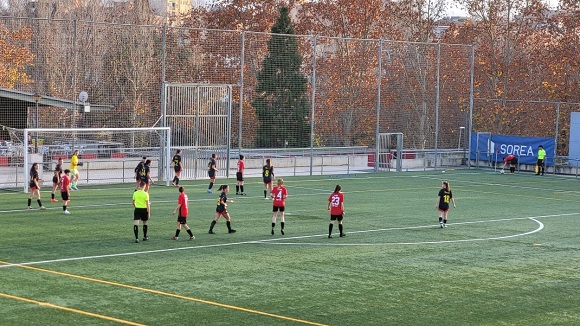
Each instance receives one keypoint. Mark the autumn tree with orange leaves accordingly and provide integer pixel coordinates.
(15, 57)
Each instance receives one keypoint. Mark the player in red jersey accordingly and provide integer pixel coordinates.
(240, 176)
(279, 194)
(182, 207)
(512, 160)
(65, 181)
(336, 208)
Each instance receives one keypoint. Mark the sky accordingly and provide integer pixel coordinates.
(455, 10)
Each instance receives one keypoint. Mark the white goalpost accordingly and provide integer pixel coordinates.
(109, 155)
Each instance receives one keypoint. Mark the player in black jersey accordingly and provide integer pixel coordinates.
(267, 177)
(211, 172)
(443, 199)
(177, 167)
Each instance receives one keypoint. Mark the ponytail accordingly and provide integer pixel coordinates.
(337, 189)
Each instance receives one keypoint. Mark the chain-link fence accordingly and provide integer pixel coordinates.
(344, 93)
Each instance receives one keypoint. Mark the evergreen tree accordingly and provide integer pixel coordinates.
(281, 104)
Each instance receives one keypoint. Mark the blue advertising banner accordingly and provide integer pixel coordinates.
(494, 148)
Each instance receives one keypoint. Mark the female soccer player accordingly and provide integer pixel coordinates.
(221, 210)
(182, 207)
(34, 186)
(279, 193)
(74, 164)
(240, 176)
(65, 190)
(443, 198)
(336, 208)
(176, 167)
(56, 179)
(267, 175)
(212, 169)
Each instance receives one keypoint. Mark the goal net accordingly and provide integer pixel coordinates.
(108, 155)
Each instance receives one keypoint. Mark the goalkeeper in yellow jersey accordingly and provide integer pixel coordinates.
(74, 164)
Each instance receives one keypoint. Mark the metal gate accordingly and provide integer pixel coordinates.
(390, 149)
(199, 116)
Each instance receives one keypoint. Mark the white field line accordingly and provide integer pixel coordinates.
(268, 241)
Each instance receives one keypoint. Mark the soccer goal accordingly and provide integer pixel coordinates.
(390, 151)
(108, 155)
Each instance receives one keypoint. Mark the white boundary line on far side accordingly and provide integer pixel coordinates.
(270, 241)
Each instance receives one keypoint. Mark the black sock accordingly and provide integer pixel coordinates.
(212, 225)
(340, 228)
(190, 233)
(237, 189)
(29, 201)
(136, 231)
(176, 180)
(39, 203)
(444, 221)
(330, 228)
(64, 207)
(265, 194)
(282, 225)
(242, 188)
(210, 185)
(177, 232)
(273, 225)
(144, 231)
(52, 196)
(440, 219)
(229, 225)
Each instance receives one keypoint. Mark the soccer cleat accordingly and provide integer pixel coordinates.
(192, 238)
(272, 231)
(173, 183)
(243, 193)
(211, 232)
(232, 231)
(444, 225)
(145, 238)
(174, 238)
(329, 236)
(30, 207)
(237, 193)
(54, 200)
(42, 207)
(209, 191)
(66, 212)
(74, 188)
(282, 231)
(266, 198)
(441, 224)
(342, 235)
(136, 240)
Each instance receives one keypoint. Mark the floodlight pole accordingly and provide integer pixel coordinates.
(37, 99)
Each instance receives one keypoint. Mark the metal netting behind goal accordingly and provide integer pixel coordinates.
(108, 155)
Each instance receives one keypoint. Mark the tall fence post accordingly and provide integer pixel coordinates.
(378, 112)
(241, 83)
(313, 100)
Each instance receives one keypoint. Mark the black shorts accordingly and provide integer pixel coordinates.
(140, 214)
(55, 179)
(177, 168)
(211, 174)
(146, 181)
(336, 217)
(277, 208)
(64, 195)
(267, 181)
(239, 176)
(182, 220)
